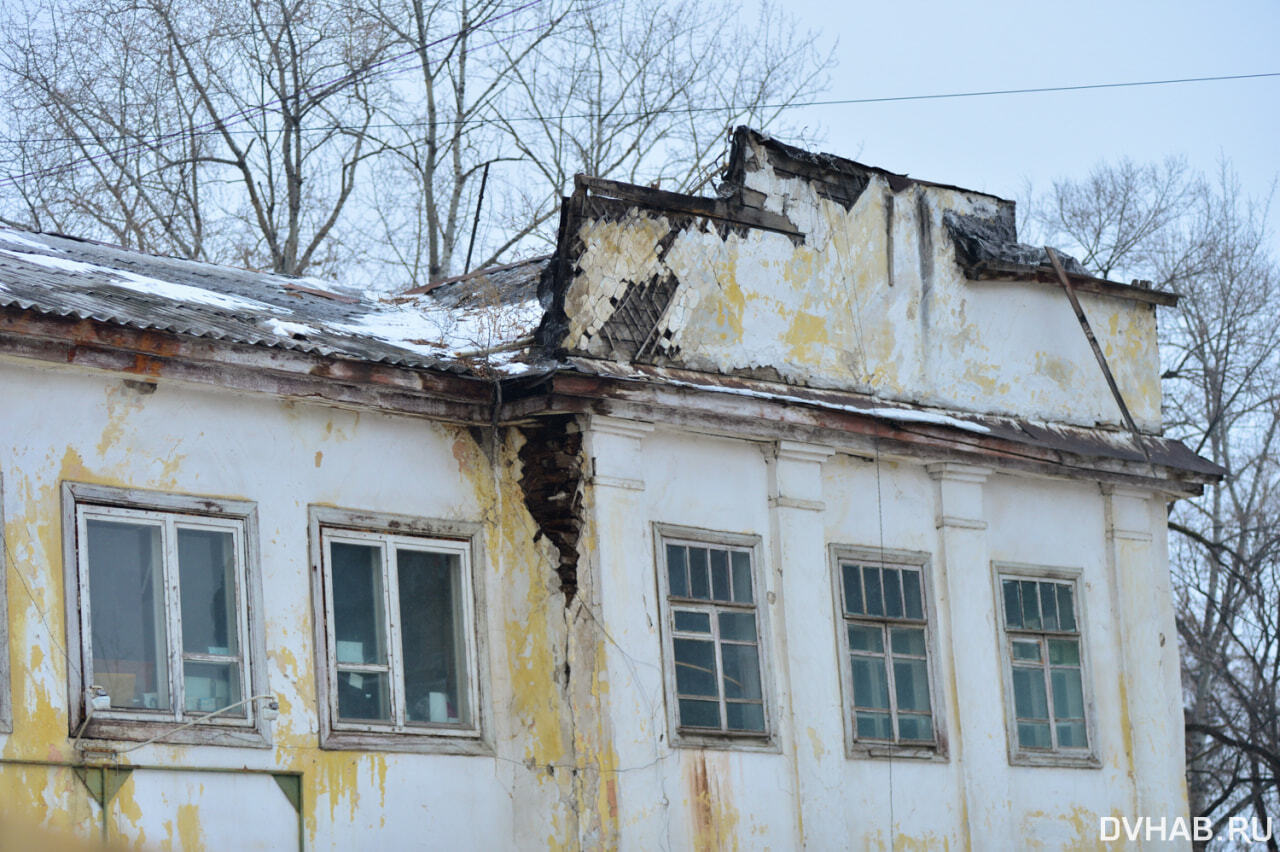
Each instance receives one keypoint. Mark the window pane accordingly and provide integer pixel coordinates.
(875, 726)
(1034, 735)
(1026, 649)
(211, 686)
(1012, 605)
(694, 622)
(206, 569)
(1029, 700)
(699, 714)
(915, 728)
(871, 580)
(892, 593)
(126, 605)
(738, 626)
(358, 624)
(699, 587)
(1048, 606)
(911, 683)
(741, 561)
(852, 576)
(1066, 607)
(864, 638)
(720, 575)
(911, 594)
(908, 640)
(870, 683)
(1030, 606)
(677, 571)
(1068, 696)
(363, 696)
(744, 717)
(431, 638)
(1064, 652)
(1072, 735)
(741, 671)
(695, 667)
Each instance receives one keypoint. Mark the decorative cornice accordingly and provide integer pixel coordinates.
(798, 451)
(956, 472)
(620, 426)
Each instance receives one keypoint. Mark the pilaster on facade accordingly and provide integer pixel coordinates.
(796, 509)
(959, 494)
(795, 475)
(614, 447)
(967, 615)
(1141, 597)
(1128, 513)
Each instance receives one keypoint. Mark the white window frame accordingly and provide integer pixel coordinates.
(82, 501)
(456, 538)
(856, 747)
(1085, 758)
(664, 534)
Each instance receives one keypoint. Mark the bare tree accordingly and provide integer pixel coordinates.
(353, 135)
(192, 128)
(1207, 241)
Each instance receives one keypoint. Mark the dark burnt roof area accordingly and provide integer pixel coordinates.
(507, 284)
(987, 247)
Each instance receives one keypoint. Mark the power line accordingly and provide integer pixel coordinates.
(688, 110)
(219, 128)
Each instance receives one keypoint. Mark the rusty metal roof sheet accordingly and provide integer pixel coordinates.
(62, 276)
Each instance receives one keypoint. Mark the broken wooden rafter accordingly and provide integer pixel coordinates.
(710, 208)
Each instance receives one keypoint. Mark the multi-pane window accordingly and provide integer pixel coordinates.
(397, 621)
(886, 641)
(1042, 629)
(715, 638)
(164, 608)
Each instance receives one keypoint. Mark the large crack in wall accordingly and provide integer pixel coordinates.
(552, 482)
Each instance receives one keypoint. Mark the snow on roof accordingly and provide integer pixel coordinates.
(68, 277)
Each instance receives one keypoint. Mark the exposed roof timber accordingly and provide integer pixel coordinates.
(149, 354)
(695, 400)
(800, 160)
(995, 271)
(764, 409)
(693, 205)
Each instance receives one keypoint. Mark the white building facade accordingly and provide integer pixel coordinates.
(802, 516)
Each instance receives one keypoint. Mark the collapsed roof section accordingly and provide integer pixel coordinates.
(812, 295)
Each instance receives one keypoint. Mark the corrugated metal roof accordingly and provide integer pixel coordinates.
(67, 277)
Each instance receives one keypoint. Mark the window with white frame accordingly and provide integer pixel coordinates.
(885, 637)
(164, 590)
(1044, 662)
(398, 622)
(712, 620)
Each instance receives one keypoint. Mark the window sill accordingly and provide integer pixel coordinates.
(132, 730)
(412, 743)
(726, 742)
(883, 751)
(1058, 760)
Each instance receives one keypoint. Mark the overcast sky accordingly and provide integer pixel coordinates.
(911, 47)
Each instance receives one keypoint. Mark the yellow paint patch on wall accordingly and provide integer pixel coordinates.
(190, 837)
(807, 337)
(818, 748)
